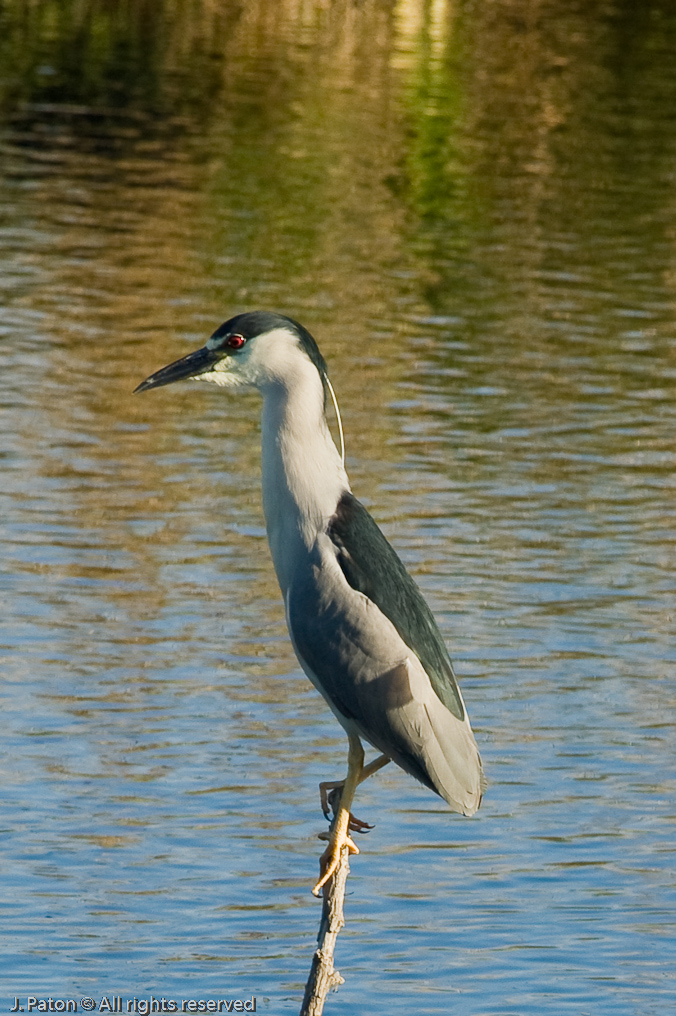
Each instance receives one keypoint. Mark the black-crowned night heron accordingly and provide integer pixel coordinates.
(359, 625)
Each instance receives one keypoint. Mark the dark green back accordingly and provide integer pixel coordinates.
(372, 567)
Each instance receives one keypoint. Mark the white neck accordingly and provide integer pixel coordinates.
(303, 476)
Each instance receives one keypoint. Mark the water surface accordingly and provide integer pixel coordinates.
(472, 208)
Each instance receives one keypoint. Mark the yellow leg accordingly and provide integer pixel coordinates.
(343, 821)
(329, 798)
(373, 767)
(339, 834)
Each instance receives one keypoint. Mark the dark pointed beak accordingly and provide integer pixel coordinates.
(191, 365)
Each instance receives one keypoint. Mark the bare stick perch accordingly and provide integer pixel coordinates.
(323, 975)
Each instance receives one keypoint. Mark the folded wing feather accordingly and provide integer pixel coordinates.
(362, 660)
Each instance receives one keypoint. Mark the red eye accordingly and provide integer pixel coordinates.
(235, 341)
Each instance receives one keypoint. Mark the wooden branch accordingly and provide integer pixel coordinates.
(323, 975)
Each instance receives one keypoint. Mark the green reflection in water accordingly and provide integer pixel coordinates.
(163, 59)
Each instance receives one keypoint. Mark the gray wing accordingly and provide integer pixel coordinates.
(372, 566)
(353, 615)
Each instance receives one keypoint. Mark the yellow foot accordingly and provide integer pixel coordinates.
(355, 825)
(329, 794)
(330, 859)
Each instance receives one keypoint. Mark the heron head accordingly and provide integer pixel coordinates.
(255, 349)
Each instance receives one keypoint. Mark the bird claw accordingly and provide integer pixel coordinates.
(335, 796)
(330, 859)
(330, 794)
(354, 825)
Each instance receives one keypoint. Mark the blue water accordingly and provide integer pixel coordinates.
(494, 294)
